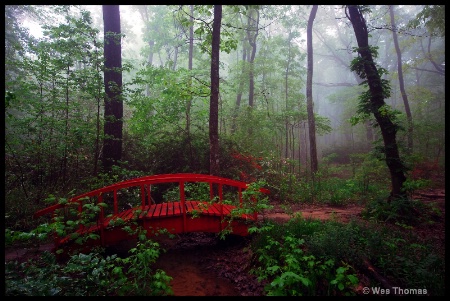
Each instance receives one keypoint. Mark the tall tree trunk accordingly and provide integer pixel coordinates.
(253, 24)
(189, 102)
(309, 100)
(191, 54)
(387, 127)
(214, 99)
(143, 10)
(286, 94)
(240, 88)
(112, 143)
(97, 121)
(66, 129)
(401, 82)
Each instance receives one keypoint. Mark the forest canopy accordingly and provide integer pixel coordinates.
(55, 92)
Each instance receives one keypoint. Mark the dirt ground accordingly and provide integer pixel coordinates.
(203, 265)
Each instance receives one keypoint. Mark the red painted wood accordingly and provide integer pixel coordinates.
(158, 212)
(189, 206)
(170, 215)
(177, 208)
(151, 211)
(163, 212)
(144, 212)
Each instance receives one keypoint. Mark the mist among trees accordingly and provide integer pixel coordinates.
(321, 103)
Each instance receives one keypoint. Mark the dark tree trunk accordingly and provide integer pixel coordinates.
(112, 143)
(309, 98)
(401, 82)
(387, 127)
(214, 99)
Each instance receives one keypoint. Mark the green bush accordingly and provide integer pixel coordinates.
(397, 254)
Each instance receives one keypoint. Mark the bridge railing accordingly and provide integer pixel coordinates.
(145, 184)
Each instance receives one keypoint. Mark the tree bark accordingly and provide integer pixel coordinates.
(112, 143)
(309, 98)
(240, 88)
(252, 25)
(191, 55)
(401, 81)
(387, 127)
(214, 99)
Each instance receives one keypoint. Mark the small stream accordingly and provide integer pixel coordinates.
(189, 259)
(191, 276)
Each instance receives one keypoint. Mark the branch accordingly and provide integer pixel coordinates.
(426, 70)
(335, 84)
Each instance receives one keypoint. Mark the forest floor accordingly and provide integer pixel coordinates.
(203, 265)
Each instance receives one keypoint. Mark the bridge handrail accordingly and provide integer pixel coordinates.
(151, 180)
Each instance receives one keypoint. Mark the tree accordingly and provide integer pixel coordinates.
(191, 55)
(373, 101)
(309, 100)
(433, 16)
(401, 81)
(214, 98)
(252, 26)
(112, 143)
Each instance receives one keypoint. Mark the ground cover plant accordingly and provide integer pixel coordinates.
(298, 253)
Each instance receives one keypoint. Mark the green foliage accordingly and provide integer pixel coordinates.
(193, 191)
(293, 272)
(399, 255)
(118, 173)
(402, 211)
(433, 17)
(90, 274)
(253, 200)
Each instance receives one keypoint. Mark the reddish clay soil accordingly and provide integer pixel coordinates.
(203, 265)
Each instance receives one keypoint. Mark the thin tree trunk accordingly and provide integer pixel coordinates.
(66, 129)
(401, 81)
(286, 92)
(309, 100)
(189, 103)
(240, 89)
(252, 25)
(191, 54)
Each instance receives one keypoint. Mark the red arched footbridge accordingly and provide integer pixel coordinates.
(109, 213)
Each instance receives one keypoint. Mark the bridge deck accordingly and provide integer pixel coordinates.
(163, 211)
(177, 217)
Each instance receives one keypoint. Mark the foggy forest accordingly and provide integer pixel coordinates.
(320, 127)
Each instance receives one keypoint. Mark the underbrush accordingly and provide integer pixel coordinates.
(92, 274)
(305, 256)
(333, 185)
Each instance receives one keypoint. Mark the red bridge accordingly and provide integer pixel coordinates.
(102, 214)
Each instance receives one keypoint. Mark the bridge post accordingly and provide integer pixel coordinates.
(142, 196)
(221, 206)
(183, 204)
(211, 191)
(116, 210)
(102, 230)
(80, 212)
(240, 196)
(149, 194)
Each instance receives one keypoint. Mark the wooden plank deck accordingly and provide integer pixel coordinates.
(160, 212)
